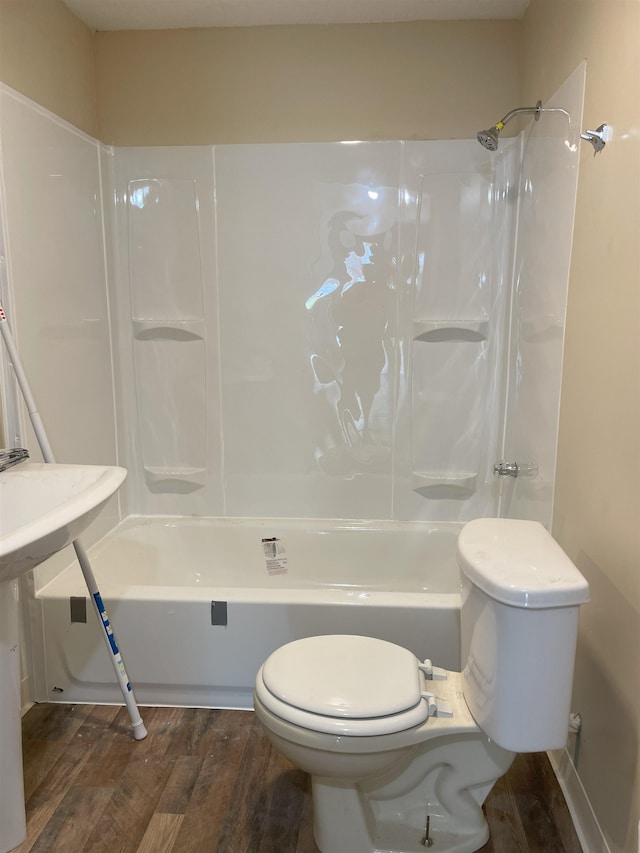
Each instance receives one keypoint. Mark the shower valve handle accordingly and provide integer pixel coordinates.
(513, 469)
(506, 469)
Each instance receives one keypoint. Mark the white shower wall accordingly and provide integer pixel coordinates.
(323, 330)
(314, 330)
(166, 327)
(548, 186)
(53, 286)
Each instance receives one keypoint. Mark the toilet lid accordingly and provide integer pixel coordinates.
(344, 683)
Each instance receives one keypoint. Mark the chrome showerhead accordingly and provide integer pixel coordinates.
(488, 138)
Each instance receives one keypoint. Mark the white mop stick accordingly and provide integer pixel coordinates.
(139, 731)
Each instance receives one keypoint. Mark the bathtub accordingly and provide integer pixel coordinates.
(197, 604)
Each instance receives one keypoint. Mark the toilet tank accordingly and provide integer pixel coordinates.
(519, 622)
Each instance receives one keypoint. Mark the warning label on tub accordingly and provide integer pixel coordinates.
(275, 556)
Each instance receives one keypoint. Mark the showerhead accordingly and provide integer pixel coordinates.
(489, 138)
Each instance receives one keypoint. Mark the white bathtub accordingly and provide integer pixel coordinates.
(198, 604)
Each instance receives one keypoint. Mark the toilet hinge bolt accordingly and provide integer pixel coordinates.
(575, 723)
(427, 840)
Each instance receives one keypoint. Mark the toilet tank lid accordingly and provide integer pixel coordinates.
(519, 563)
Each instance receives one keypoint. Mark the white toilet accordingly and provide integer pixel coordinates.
(403, 754)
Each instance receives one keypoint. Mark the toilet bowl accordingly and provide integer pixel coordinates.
(402, 754)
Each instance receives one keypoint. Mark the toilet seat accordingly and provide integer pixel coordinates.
(344, 685)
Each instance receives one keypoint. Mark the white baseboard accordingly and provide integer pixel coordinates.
(26, 700)
(587, 827)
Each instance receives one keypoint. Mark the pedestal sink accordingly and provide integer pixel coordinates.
(43, 507)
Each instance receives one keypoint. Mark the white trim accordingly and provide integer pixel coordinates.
(43, 111)
(587, 828)
(26, 702)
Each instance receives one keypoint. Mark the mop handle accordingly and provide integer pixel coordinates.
(36, 420)
(139, 730)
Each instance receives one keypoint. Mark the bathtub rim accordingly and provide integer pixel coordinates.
(67, 582)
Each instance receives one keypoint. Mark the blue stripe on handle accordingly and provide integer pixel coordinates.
(105, 622)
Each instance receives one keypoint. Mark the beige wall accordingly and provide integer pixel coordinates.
(296, 84)
(597, 514)
(46, 53)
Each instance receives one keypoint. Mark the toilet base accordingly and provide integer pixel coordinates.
(447, 781)
(394, 835)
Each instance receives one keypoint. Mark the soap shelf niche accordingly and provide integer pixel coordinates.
(178, 330)
(170, 364)
(445, 484)
(450, 331)
(189, 477)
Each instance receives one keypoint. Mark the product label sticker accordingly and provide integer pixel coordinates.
(275, 556)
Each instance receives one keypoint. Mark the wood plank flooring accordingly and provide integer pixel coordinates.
(209, 782)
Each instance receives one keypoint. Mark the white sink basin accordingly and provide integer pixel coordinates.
(44, 507)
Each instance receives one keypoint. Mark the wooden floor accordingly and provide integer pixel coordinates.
(209, 782)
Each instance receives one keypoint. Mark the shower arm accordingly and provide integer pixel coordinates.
(535, 111)
(597, 137)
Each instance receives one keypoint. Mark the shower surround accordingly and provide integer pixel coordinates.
(350, 330)
(314, 330)
(325, 331)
